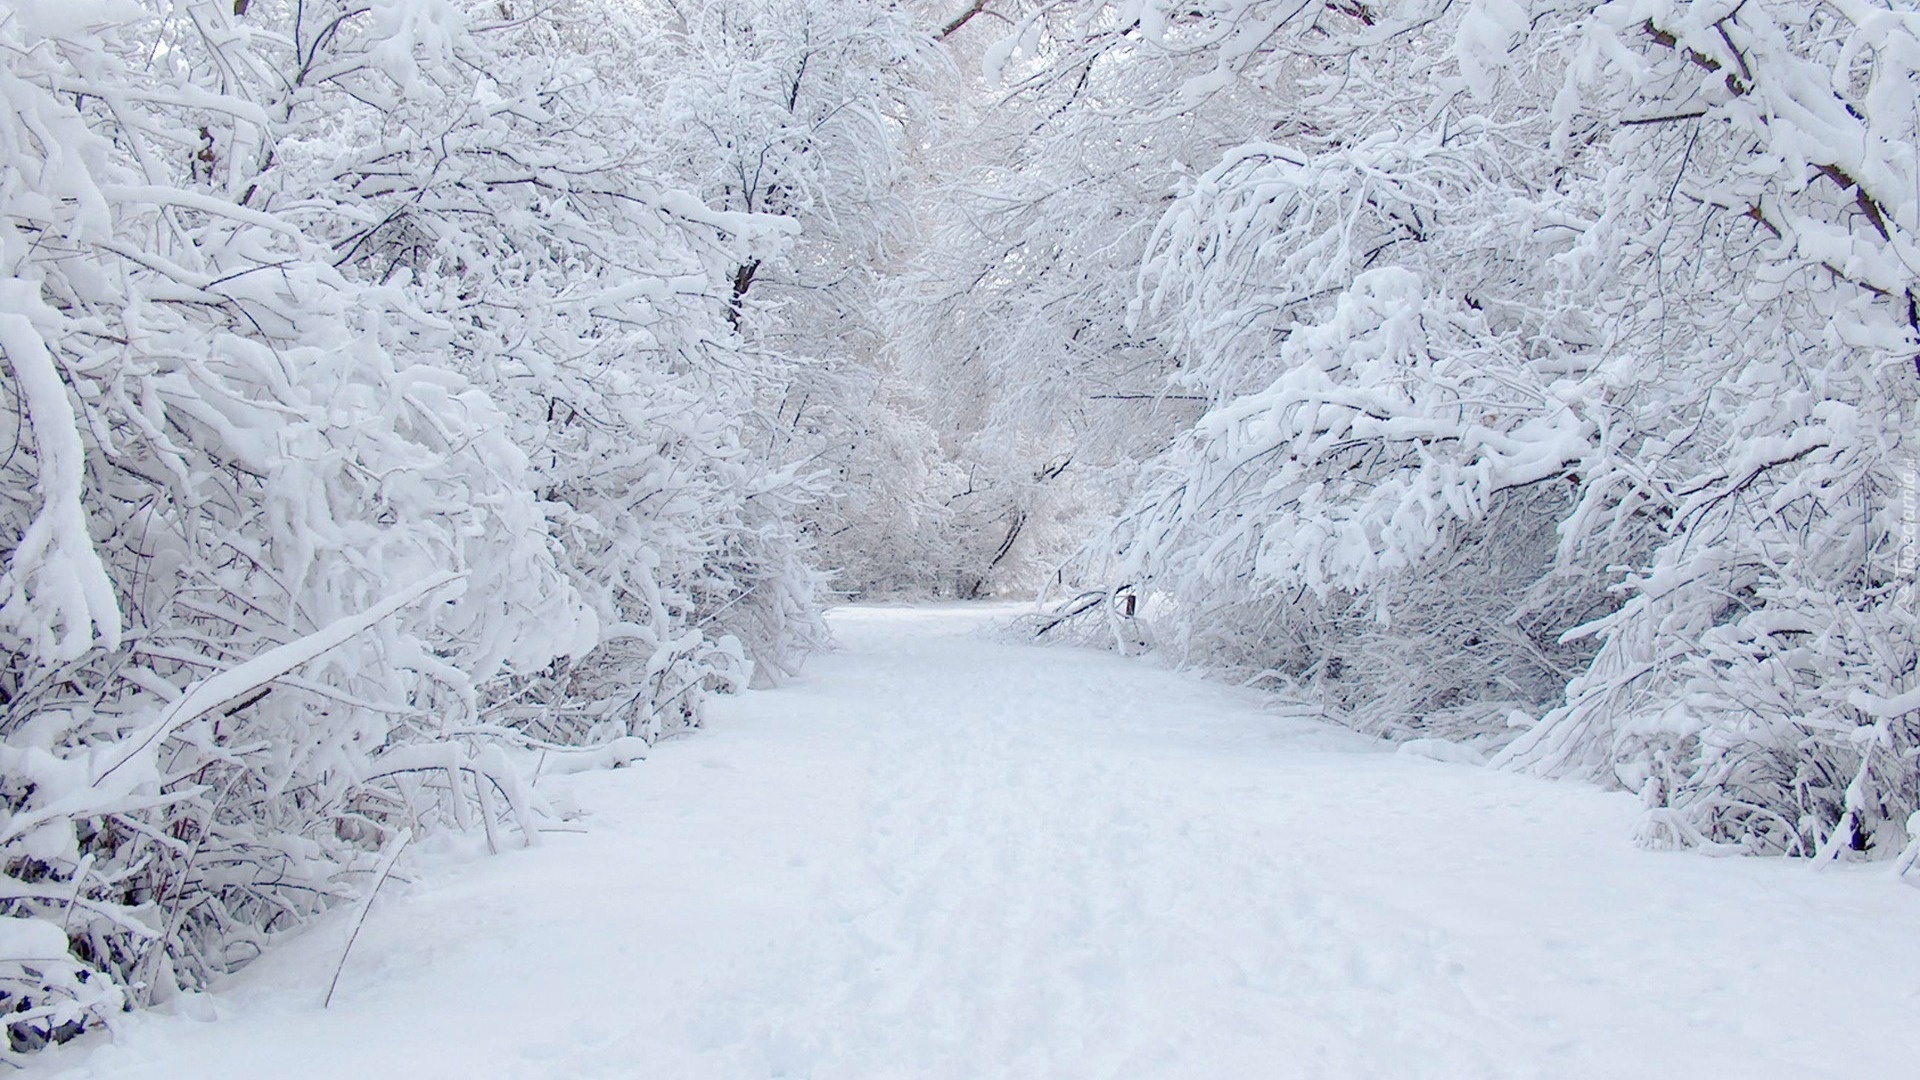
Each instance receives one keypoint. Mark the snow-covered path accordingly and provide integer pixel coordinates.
(943, 856)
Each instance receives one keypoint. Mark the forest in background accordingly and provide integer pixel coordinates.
(406, 399)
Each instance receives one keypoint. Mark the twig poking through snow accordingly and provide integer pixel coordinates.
(387, 859)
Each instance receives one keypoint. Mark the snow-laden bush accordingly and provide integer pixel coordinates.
(372, 417)
(511, 192)
(1561, 363)
(254, 551)
(1379, 521)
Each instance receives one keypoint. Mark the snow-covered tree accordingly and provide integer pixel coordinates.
(1560, 360)
(805, 111)
(377, 415)
(592, 296)
(1037, 204)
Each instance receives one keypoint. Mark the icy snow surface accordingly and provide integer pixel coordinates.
(940, 855)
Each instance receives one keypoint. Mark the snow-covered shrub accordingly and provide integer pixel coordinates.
(1753, 684)
(512, 192)
(1379, 521)
(371, 415)
(1638, 415)
(254, 552)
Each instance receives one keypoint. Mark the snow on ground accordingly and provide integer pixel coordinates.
(941, 855)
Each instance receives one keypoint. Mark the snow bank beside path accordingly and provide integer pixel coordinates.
(941, 855)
